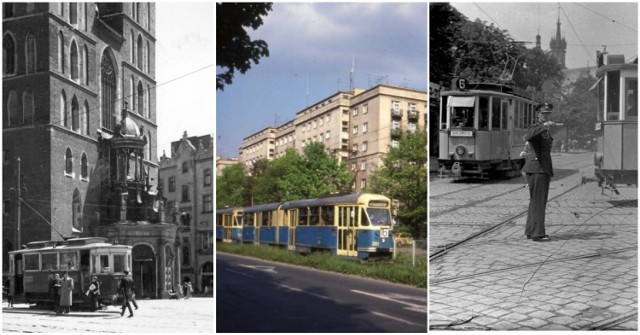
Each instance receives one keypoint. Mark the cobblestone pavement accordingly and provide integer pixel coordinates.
(585, 277)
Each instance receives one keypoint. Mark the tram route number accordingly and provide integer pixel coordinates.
(384, 232)
(461, 84)
(462, 133)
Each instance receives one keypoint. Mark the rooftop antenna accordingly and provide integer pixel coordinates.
(353, 66)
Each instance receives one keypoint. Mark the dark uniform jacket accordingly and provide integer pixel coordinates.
(126, 286)
(540, 140)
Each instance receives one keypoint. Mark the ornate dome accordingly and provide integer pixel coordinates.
(127, 127)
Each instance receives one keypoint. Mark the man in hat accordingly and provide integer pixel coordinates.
(539, 171)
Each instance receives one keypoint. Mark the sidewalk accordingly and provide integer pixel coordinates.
(585, 277)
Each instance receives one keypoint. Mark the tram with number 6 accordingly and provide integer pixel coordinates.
(616, 157)
(30, 269)
(352, 225)
(481, 129)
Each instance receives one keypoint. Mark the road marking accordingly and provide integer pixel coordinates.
(412, 306)
(400, 320)
(239, 273)
(309, 293)
(269, 269)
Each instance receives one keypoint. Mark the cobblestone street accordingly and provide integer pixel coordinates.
(585, 277)
(153, 316)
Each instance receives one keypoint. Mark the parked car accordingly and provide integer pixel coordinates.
(403, 239)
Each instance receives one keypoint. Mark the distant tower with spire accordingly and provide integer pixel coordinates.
(559, 45)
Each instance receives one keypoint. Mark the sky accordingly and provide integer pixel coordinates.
(313, 48)
(586, 26)
(185, 63)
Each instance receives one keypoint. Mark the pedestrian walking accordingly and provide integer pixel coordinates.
(188, 289)
(126, 288)
(66, 293)
(94, 293)
(539, 170)
(6, 289)
(178, 291)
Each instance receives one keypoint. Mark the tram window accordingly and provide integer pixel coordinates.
(94, 268)
(326, 215)
(613, 95)
(484, 113)
(631, 102)
(505, 114)
(118, 263)
(302, 217)
(31, 262)
(462, 117)
(314, 216)
(265, 218)
(104, 263)
(379, 216)
(495, 114)
(248, 219)
(50, 262)
(239, 218)
(68, 261)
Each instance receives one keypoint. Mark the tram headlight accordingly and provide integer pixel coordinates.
(460, 150)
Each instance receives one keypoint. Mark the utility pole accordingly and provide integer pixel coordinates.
(19, 200)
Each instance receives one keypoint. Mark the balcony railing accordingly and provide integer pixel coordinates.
(413, 114)
(396, 112)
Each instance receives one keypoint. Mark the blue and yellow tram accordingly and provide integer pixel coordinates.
(264, 224)
(616, 157)
(229, 224)
(82, 258)
(481, 129)
(353, 225)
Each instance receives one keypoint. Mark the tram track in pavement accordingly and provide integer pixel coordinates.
(443, 251)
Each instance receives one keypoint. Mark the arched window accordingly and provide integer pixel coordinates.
(85, 65)
(27, 106)
(74, 60)
(148, 16)
(75, 114)
(148, 103)
(148, 60)
(7, 9)
(73, 13)
(30, 53)
(12, 108)
(149, 146)
(63, 109)
(68, 159)
(85, 112)
(141, 107)
(61, 8)
(77, 210)
(133, 47)
(8, 55)
(140, 51)
(84, 169)
(61, 52)
(108, 91)
(138, 12)
(133, 94)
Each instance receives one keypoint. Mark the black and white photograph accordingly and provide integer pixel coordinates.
(533, 160)
(107, 173)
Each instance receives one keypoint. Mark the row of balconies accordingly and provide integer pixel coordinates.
(412, 114)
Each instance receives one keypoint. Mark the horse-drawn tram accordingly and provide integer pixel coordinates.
(31, 269)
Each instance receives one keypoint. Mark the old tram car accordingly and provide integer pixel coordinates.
(82, 258)
(482, 128)
(616, 157)
(264, 224)
(229, 224)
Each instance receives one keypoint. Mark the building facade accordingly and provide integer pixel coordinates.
(356, 127)
(69, 70)
(186, 181)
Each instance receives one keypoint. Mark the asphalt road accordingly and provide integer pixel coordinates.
(258, 296)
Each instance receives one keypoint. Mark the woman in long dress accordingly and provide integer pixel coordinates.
(66, 293)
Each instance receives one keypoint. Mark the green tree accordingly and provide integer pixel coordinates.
(231, 187)
(577, 109)
(444, 22)
(536, 68)
(404, 177)
(234, 48)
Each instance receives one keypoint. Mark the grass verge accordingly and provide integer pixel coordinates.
(399, 270)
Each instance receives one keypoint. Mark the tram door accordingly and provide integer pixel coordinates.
(15, 270)
(257, 223)
(293, 223)
(348, 219)
(226, 226)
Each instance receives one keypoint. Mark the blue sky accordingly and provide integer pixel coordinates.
(586, 26)
(185, 63)
(312, 47)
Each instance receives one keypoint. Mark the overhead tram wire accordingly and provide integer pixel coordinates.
(489, 16)
(610, 19)
(575, 32)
